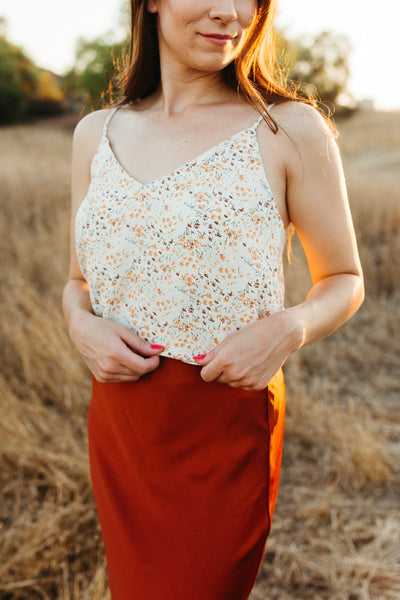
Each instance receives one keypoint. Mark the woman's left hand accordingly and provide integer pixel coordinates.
(250, 357)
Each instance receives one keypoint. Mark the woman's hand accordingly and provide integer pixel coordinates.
(250, 357)
(113, 353)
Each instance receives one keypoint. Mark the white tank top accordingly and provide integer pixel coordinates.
(191, 256)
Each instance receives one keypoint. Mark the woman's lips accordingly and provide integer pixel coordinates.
(217, 40)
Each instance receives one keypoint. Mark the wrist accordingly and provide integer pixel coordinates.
(77, 317)
(296, 318)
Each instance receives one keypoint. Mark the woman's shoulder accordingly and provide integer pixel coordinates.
(302, 122)
(87, 133)
(304, 134)
(90, 126)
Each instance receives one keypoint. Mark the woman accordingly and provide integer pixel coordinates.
(175, 292)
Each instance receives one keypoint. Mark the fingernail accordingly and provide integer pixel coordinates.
(157, 347)
(200, 357)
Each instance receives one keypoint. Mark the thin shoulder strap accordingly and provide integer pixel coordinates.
(264, 114)
(108, 119)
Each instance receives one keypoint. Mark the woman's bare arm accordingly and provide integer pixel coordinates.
(112, 352)
(318, 208)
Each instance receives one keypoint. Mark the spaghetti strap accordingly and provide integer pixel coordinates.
(263, 115)
(260, 118)
(108, 119)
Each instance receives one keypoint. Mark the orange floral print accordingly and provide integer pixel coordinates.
(189, 257)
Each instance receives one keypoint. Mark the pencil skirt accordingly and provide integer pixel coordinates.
(185, 476)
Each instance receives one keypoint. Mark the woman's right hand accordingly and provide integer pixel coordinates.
(113, 353)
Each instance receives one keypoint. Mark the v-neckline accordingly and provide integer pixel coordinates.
(192, 162)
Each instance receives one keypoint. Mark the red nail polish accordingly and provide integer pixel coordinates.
(157, 347)
(200, 357)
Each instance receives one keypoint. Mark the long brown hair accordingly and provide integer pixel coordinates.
(255, 73)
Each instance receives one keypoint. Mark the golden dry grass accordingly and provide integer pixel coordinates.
(336, 528)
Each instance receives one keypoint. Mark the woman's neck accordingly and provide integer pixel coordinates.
(177, 93)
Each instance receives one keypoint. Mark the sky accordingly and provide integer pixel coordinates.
(48, 29)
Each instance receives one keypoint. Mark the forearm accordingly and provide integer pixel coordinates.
(75, 298)
(328, 305)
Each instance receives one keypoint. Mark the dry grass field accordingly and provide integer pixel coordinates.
(336, 529)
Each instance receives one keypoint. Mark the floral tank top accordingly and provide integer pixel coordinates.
(188, 258)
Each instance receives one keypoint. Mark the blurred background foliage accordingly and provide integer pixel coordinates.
(318, 63)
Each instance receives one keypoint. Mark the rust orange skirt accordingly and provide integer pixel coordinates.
(185, 475)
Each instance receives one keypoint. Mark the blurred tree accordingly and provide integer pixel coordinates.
(318, 64)
(47, 98)
(47, 86)
(25, 89)
(97, 61)
(3, 26)
(18, 78)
